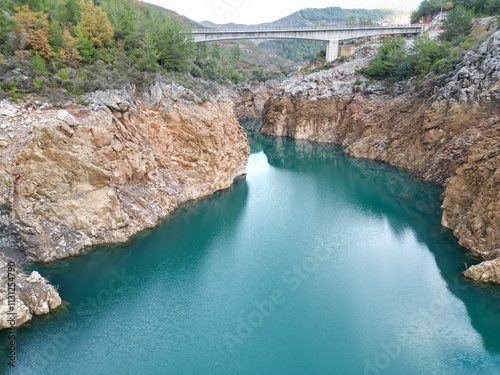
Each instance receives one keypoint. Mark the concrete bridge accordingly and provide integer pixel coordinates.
(330, 35)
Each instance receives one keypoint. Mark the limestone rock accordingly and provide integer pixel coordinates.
(486, 272)
(33, 294)
(249, 100)
(7, 109)
(79, 176)
(113, 101)
(65, 117)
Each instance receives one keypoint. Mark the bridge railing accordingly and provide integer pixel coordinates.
(304, 28)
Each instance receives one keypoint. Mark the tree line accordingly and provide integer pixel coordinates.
(56, 47)
(76, 32)
(398, 60)
(476, 7)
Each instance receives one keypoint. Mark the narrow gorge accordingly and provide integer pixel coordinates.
(444, 129)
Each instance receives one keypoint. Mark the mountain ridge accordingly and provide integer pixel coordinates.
(320, 17)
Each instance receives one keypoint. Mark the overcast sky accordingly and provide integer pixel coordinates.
(259, 11)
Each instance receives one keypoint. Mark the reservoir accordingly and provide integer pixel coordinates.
(313, 263)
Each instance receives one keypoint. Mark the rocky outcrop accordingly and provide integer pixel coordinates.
(82, 176)
(487, 272)
(445, 130)
(249, 100)
(30, 295)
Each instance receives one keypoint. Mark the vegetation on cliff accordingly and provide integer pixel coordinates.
(478, 7)
(56, 47)
(399, 60)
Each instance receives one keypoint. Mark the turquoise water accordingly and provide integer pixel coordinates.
(315, 263)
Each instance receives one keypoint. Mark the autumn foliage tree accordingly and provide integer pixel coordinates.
(69, 52)
(95, 25)
(32, 32)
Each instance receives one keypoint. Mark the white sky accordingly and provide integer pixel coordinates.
(259, 11)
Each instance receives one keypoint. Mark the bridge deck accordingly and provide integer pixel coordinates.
(332, 35)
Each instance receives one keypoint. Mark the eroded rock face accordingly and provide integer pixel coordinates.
(79, 177)
(471, 205)
(444, 130)
(249, 100)
(33, 295)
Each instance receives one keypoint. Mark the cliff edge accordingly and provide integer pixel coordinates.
(80, 176)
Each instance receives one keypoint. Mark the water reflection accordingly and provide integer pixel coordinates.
(399, 198)
(165, 252)
(163, 243)
(214, 264)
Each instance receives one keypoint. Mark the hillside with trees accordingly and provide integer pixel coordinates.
(476, 7)
(57, 48)
(398, 60)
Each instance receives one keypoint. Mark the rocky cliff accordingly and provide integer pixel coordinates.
(445, 129)
(86, 175)
(249, 100)
(82, 176)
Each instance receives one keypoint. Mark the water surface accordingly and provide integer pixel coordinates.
(315, 263)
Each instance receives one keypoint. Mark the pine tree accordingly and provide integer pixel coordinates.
(55, 40)
(123, 17)
(86, 49)
(458, 24)
(38, 65)
(6, 26)
(493, 6)
(71, 13)
(235, 55)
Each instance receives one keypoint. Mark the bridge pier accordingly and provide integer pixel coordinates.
(332, 50)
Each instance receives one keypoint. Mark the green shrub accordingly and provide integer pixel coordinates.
(39, 66)
(445, 65)
(64, 75)
(259, 74)
(467, 43)
(391, 53)
(8, 86)
(357, 82)
(11, 88)
(38, 83)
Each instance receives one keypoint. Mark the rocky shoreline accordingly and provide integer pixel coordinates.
(29, 295)
(80, 176)
(445, 129)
